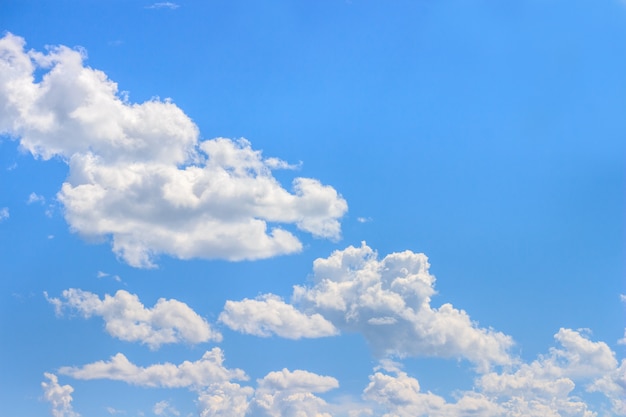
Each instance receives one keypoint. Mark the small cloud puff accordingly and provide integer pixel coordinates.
(4, 213)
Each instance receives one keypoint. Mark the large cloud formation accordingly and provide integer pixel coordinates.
(140, 174)
(388, 301)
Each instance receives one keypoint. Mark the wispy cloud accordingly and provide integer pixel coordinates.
(4, 213)
(35, 198)
(163, 5)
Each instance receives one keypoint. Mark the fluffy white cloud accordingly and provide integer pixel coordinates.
(169, 321)
(139, 174)
(59, 396)
(226, 399)
(201, 373)
(400, 396)
(292, 394)
(545, 387)
(387, 300)
(269, 314)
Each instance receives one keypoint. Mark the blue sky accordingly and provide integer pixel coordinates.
(331, 208)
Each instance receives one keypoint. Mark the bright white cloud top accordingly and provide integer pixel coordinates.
(140, 174)
(485, 139)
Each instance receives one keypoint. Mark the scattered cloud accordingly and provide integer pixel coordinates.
(35, 198)
(4, 213)
(163, 5)
(113, 411)
(363, 219)
(140, 175)
(163, 408)
(101, 275)
(269, 314)
(59, 396)
(169, 321)
(201, 373)
(388, 301)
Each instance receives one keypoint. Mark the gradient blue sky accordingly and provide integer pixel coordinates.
(488, 135)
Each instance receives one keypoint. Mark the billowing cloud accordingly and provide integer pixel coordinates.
(140, 175)
(225, 399)
(292, 394)
(201, 373)
(269, 314)
(545, 386)
(388, 301)
(59, 397)
(169, 321)
(400, 396)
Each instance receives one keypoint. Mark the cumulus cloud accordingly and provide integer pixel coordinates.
(201, 373)
(400, 396)
(545, 386)
(225, 399)
(388, 301)
(292, 394)
(59, 396)
(169, 321)
(269, 314)
(140, 175)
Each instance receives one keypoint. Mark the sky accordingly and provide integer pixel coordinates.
(332, 208)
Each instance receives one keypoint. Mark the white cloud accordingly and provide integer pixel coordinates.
(140, 175)
(201, 373)
(163, 408)
(400, 396)
(4, 213)
(388, 301)
(226, 399)
(545, 387)
(163, 5)
(35, 198)
(269, 314)
(169, 321)
(59, 396)
(291, 394)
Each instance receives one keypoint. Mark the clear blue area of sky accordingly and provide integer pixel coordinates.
(489, 135)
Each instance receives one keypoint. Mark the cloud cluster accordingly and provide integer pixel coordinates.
(388, 301)
(169, 321)
(279, 394)
(140, 175)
